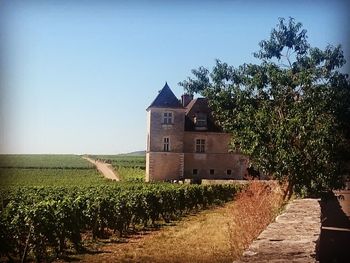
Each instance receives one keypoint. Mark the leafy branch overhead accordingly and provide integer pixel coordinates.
(289, 113)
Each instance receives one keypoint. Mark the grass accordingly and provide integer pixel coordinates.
(196, 238)
(216, 235)
(254, 210)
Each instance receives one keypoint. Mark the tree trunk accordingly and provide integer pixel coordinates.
(289, 191)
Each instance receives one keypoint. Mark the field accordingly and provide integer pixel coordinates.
(219, 234)
(47, 170)
(13, 177)
(131, 168)
(123, 160)
(53, 204)
(43, 161)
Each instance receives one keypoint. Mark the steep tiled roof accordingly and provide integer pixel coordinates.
(166, 99)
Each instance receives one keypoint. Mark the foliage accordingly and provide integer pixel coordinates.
(290, 113)
(40, 220)
(128, 174)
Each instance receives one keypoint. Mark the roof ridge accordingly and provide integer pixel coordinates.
(166, 99)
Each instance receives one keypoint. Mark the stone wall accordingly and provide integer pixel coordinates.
(158, 130)
(162, 166)
(292, 237)
(214, 142)
(182, 159)
(220, 163)
(216, 157)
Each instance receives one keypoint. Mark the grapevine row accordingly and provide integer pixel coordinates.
(39, 221)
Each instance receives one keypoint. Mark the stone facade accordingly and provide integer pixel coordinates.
(216, 162)
(183, 141)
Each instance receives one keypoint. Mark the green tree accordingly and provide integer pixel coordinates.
(290, 113)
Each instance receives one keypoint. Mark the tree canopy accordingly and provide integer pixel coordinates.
(290, 113)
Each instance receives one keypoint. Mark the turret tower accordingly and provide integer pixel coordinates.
(165, 136)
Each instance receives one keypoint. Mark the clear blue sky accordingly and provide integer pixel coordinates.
(77, 78)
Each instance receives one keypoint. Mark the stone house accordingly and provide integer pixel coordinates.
(183, 141)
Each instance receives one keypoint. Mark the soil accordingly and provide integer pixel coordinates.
(194, 238)
(218, 234)
(104, 168)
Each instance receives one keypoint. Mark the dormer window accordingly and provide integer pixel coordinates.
(200, 121)
(167, 118)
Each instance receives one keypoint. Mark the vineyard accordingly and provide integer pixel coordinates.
(13, 177)
(130, 168)
(39, 161)
(40, 220)
(47, 170)
(43, 219)
(123, 160)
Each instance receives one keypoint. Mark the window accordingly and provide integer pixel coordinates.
(194, 171)
(200, 120)
(211, 171)
(228, 172)
(200, 145)
(166, 144)
(167, 118)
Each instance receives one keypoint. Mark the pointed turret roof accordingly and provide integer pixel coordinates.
(166, 99)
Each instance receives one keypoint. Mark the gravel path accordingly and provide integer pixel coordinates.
(104, 168)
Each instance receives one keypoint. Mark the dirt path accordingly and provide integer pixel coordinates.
(104, 168)
(206, 236)
(195, 238)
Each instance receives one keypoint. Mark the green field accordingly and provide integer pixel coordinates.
(128, 174)
(12, 177)
(123, 160)
(56, 199)
(66, 170)
(66, 161)
(47, 170)
(131, 168)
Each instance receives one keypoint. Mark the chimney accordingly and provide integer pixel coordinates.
(185, 99)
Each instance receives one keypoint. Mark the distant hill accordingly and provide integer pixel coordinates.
(137, 153)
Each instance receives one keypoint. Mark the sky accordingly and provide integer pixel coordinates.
(77, 76)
